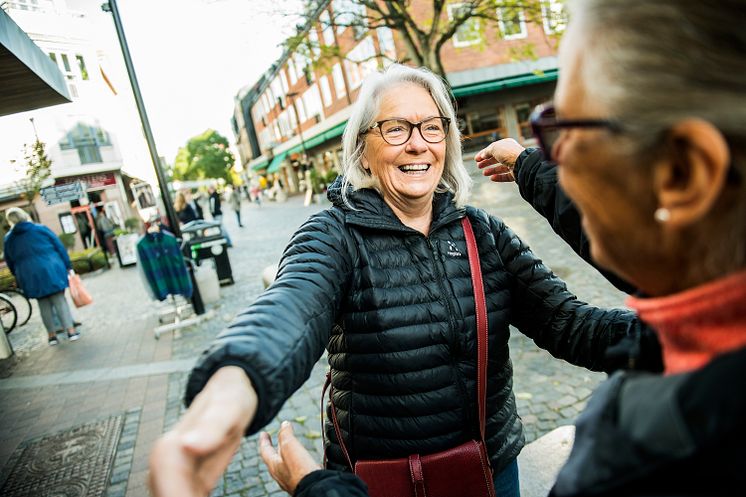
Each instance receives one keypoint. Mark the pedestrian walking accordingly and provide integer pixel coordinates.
(382, 280)
(214, 200)
(187, 210)
(40, 264)
(233, 196)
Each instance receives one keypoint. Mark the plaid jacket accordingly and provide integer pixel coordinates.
(163, 265)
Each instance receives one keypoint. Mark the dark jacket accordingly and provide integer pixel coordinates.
(188, 214)
(641, 435)
(537, 183)
(37, 259)
(214, 200)
(395, 311)
(644, 434)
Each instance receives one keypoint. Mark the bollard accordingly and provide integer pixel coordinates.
(6, 349)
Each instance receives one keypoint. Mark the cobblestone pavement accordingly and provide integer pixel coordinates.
(110, 370)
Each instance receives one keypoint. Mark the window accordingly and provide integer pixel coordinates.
(87, 140)
(312, 101)
(363, 57)
(300, 65)
(284, 81)
(313, 42)
(326, 28)
(354, 78)
(339, 82)
(350, 13)
(326, 92)
(32, 5)
(53, 57)
(291, 71)
(66, 64)
(468, 33)
(555, 16)
(386, 45)
(301, 107)
(484, 127)
(81, 66)
(512, 23)
(523, 113)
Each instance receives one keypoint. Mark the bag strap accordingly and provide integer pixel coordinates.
(480, 304)
(482, 353)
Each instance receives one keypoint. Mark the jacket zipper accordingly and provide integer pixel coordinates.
(455, 342)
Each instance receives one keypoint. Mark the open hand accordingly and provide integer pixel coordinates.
(497, 160)
(290, 462)
(188, 460)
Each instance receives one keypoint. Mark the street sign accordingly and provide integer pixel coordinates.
(63, 193)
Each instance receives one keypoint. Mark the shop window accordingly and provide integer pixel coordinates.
(523, 114)
(483, 127)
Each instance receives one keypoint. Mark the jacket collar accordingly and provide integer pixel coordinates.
(372, 212)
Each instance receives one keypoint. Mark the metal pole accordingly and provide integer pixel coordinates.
(111, 6)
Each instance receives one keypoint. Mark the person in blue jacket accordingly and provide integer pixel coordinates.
(40, 265)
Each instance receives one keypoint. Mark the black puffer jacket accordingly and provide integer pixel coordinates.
(396, 311)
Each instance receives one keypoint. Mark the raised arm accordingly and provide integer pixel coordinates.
(240, 383)
(545, 311)
(506, 160)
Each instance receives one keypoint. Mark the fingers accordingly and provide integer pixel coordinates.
(291, 462)
(268, 453)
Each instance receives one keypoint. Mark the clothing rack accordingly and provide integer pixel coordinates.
(179, 310)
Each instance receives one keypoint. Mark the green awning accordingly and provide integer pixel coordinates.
(510, 82)
(321, 138)
(259, 166)
(274, 166)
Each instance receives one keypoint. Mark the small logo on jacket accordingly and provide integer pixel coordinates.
(453, 250)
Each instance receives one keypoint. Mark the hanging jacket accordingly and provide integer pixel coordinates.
(395, 310)
(37, 259)
(162, 263)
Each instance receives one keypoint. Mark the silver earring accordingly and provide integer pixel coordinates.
(662, 214)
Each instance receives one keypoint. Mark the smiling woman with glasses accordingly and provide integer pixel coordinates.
(382, 281)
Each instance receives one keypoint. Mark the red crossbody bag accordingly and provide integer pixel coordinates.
(462, 471)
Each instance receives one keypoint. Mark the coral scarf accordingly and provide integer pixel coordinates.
(699, 324)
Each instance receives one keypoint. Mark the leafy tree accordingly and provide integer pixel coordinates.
(424, 26)
(204, 156)
(38, 169)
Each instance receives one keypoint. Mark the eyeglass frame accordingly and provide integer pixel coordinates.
(539, 123)
(412, 126)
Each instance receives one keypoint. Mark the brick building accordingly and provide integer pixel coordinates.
(296, 113)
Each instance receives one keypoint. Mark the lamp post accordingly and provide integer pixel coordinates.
(111, 6)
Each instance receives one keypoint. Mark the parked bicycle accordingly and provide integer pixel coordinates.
(15, 309)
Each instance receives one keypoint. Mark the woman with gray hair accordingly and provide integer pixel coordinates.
(383, 282)
(647, 134)
(40, 264)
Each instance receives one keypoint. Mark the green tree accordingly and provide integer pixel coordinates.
(424, 27)
(204, 156)
(37, 170)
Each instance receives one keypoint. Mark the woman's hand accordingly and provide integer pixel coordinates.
(497, 160)
(290, 462)
(188, 460)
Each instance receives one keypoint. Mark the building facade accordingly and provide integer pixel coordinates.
(294, 116)
(84, 139)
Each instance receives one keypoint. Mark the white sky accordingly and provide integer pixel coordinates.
(191, 58)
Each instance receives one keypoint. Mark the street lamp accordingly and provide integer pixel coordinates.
(111, 6)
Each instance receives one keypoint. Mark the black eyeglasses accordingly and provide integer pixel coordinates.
(397, 131)
(547, 128)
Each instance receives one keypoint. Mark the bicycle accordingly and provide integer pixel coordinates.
(8, 314)
(21, 303)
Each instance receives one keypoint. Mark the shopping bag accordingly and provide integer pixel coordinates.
(78, 292)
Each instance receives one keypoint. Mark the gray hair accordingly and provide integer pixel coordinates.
(455, 178)
(16, 215)
(653, 64)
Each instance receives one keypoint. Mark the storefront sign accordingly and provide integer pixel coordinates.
(127, 249)
(62, 193)
(92, 181)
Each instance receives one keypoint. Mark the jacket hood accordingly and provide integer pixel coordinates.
(22, 227)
